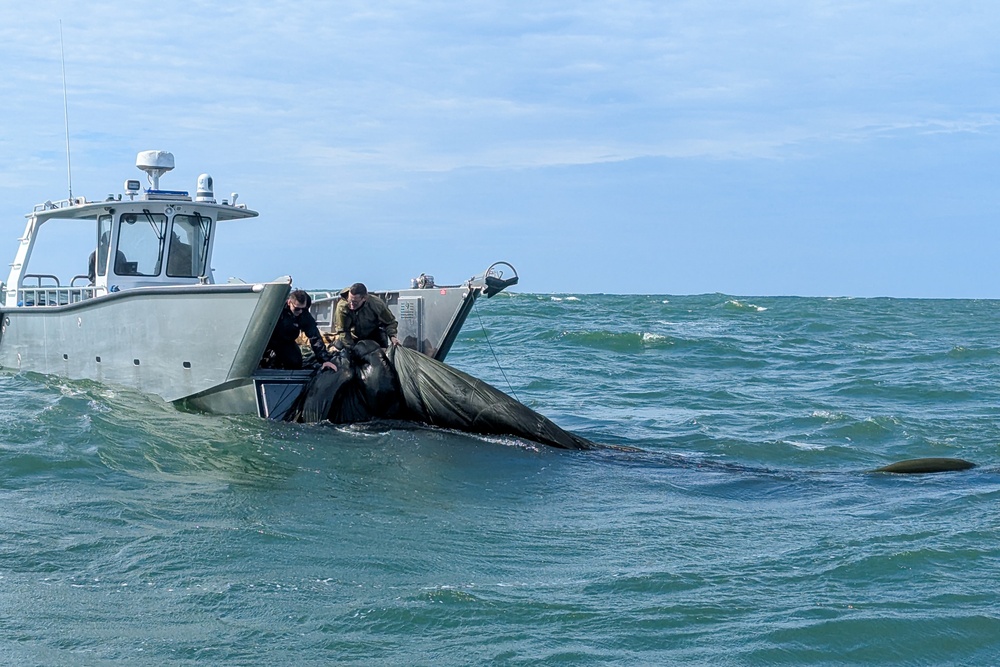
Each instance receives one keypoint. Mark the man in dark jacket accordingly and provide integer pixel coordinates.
(363, 316)
(282, 349)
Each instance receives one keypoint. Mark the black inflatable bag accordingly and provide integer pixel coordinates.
(437, 394)
(364, 387)
(369, 384)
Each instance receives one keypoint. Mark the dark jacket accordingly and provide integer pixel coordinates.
(372, 321)
(283, 351)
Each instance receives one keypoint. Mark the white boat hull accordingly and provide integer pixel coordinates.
(179, 343)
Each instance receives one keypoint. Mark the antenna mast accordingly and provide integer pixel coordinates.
(69, 168)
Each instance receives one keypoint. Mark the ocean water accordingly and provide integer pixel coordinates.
(746, 532)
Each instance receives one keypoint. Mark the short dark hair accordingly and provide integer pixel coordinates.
(359, 289)
(301, 296)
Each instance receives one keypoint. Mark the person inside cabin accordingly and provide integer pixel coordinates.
(282, 349)
(123, 267)
(363, 316)
(92, 261)
(179, 259)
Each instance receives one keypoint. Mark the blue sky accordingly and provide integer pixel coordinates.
(777, 147)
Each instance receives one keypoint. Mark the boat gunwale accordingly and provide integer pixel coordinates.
(151, 290)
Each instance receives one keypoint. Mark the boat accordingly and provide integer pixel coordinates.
(149, 315)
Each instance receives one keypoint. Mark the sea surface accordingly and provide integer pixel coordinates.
(748, 530)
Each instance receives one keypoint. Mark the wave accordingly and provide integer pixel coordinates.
(615, 341)
(736, 305)
(963, 353)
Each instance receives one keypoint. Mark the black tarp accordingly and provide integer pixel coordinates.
(404, 384)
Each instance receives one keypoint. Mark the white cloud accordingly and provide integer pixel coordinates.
(357, 103)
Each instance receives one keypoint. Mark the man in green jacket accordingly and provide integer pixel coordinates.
(363, 316)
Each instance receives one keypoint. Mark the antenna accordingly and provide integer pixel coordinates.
(69, 168)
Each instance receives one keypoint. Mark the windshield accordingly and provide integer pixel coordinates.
(140, 244)
(189, 235)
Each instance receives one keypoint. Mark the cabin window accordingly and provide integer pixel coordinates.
(140, 244)
(103, 244)
(188, 252)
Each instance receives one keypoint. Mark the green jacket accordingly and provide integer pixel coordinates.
(350, 326)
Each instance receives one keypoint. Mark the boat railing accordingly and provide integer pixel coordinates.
(323, 304)
(51, 292)
(62, 203)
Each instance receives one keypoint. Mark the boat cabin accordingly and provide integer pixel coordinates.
(143, 237)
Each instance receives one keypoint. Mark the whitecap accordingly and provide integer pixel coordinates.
(809, 446)
(70, 392)
(746, 306)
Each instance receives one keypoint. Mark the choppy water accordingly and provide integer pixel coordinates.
(746, 533)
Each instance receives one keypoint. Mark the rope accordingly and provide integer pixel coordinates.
(475, 307)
